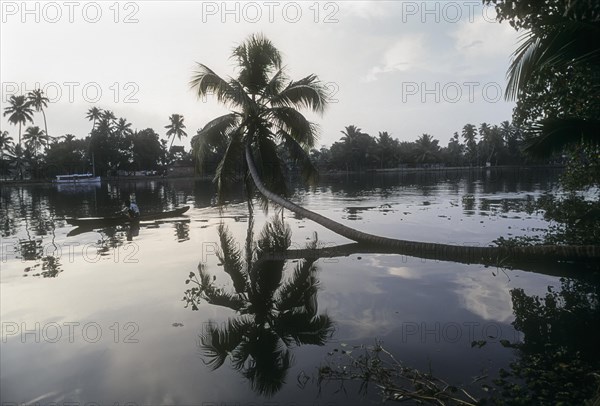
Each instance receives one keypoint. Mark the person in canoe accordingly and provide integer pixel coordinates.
(131, 209)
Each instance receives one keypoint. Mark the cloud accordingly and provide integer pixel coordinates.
(405, 54)
(364, 9)
(483, 39)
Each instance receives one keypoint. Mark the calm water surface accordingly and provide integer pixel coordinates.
(98, 316)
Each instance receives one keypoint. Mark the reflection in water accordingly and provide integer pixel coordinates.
(273, 314)
(557, 362)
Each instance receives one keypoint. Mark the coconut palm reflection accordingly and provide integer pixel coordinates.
(274, 313)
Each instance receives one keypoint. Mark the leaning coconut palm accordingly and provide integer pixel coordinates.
(265, 113)
(38, 101)
(265, 104)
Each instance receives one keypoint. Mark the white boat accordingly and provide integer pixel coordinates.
(77, 178)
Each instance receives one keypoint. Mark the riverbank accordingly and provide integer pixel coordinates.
(117, 179)
(443, 169)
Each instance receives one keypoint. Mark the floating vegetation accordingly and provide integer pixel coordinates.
(374, 365)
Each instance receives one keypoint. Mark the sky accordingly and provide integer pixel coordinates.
(405, 67)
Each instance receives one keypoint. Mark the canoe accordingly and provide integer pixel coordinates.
(116, 220)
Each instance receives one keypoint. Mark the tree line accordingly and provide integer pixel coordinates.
(485, 145)
(110, 147)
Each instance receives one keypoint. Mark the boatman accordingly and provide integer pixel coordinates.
(131, 209)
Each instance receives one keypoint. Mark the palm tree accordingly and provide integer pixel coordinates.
(6, 148)
(273, 313)
(6, 142)
(108, 117)
(35, 138)
(387, 146)
(38, 101)
(266, 112)
(94, 114)
(122, 128)
(176, 128)
(68, 138)
(19, 112)
(469, 133)
(427, 149)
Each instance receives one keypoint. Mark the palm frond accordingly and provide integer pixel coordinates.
(257, 57)
(553, 134)
(276, 236)
(270, 363)
(307, 92)
(296, 291)
(276, 84)
(206, 82)
(214, 135)
(292, 122)
(228, 168)
(304, 328)
(300, 158)
(218, 297)
(218, 343)
(568, 43)
(231, 257)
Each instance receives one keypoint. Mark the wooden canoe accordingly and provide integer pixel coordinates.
(93, 222)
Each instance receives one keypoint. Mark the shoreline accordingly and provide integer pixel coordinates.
(323, 174)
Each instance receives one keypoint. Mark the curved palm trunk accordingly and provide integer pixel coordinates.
(443, 252)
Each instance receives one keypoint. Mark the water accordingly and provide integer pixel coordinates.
(99, 316)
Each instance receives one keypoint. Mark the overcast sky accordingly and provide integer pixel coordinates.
(399, 66)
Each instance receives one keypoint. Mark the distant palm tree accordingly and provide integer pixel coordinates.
(108, 117)
(38, 101)
(35, 139)
(176, 128)
(426, 149)
(94, 114)
(123, 128)
(351, 132)
(469, 133)
(19, 112)
(68, 138)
